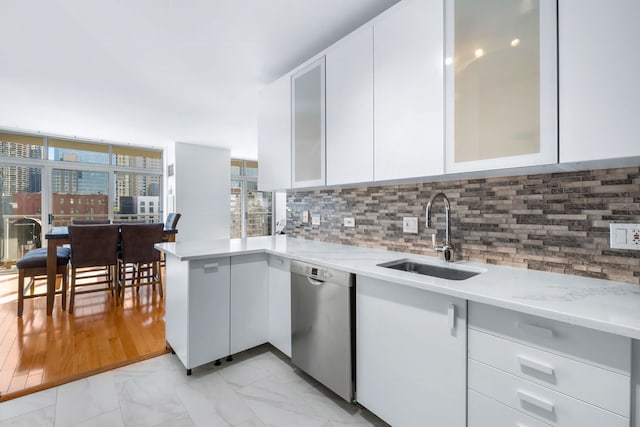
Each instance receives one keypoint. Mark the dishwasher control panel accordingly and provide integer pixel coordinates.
(313, 271)
(323, 274)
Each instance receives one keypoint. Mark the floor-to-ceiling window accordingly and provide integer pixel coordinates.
(49, 181)
(251, 210)
(138, 184)
(21, 204)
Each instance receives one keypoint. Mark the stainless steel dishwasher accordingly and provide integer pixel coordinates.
(322, 325)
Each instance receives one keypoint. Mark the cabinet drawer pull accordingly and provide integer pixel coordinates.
(210, 266)
(538, 330)
(535, 401)
(536, 366)
(452, 316)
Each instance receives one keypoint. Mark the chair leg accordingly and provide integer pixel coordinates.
(122, 277)
(138, 277)
(72, 297)
(20, 292)
(113, 271)
(65, 283)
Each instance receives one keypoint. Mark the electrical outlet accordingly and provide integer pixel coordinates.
(624, 236)
(349, 222)
(305, 217)
(410, 224)
(315, 219)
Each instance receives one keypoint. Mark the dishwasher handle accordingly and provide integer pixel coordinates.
(315, 282)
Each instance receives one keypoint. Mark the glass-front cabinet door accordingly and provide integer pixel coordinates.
(308, 125)
(501, 83)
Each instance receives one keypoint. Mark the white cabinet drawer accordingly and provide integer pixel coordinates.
(606, 389)
(602, 349)
(539, 402)
(485, 412)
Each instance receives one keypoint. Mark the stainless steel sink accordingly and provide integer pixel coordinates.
(430, 270)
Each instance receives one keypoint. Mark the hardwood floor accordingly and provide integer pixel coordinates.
(39, 351)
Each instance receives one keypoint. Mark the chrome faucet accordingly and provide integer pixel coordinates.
(446, 247)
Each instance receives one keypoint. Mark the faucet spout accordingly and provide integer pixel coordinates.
(447, 246)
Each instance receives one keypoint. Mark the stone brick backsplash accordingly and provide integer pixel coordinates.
(554, 222)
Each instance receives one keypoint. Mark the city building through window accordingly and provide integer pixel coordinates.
(251, 210)
(82, 180)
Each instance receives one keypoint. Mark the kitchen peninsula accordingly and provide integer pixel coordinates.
(577, 334)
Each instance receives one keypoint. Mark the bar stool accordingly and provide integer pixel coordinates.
(34, 266)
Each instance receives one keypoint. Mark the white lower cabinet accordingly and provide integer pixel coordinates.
(410, 354)
(197, 309)
(559, 374)
(216, 307)
(539, 402)
(635, 385)
(280, 303)
(249, 301)
(486, 412)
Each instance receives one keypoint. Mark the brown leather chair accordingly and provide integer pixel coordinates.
(138, 256)
(34, 266)
(94, 246)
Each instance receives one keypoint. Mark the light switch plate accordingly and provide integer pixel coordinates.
(624, 236)
(349, 222)
(315, 219)
(305, 217)
(410, 224)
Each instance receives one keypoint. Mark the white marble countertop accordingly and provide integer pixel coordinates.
(598, 304)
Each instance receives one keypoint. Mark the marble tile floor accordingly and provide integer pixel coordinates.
(259, 388)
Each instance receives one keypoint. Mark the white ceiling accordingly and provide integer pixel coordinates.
(153, 71)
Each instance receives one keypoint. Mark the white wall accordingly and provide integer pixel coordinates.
(169, 157)
(200, 185)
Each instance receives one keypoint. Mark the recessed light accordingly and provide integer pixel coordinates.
(515, 42)
(478, 53)
(448, 61)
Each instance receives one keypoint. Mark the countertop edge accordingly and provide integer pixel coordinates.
(434, 285)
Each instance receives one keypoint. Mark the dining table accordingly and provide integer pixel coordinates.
(58, 236)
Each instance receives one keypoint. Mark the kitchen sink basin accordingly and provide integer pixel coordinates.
(430, 270)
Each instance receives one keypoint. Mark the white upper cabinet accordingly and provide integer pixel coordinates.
(408, 87)
(350, 109)
(308, 125)
(501, 83)
(599, 79)
(274, 136)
